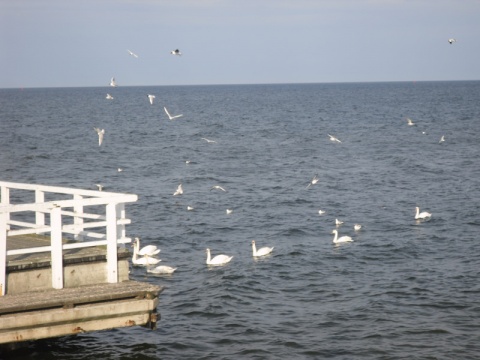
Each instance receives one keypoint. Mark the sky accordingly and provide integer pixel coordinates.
(78, 43)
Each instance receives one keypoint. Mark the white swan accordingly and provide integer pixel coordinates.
(162, 269)
(342, 239)
(262, 251)
(146, 250)
(422, 215)
(217, 260)
(144, 260)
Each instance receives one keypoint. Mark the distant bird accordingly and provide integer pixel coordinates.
(338, 222)
(113, 82)
(262, 251)
(161, 270)
(229, 211)
(422, 215)
(150, 98)
(313, 181)
(100, 187)
(176, 52)
(119, 170)
(208, 140)
(132, 53)
(170, 116)
(451, 41)
(190, 208)
(179, 190)
(410, 122)
(342, 239)
(442, 139)
(109, 97)
(333, 138)
(357, 227)
(217, 260)
(217, 187)
(321, 212)
(100, 133)
(149, 250)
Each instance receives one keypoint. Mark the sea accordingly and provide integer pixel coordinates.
(402, 289)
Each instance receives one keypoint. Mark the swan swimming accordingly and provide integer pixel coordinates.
(422, 215)
(162, 269)
(342, 239)
(179, 190)
(149, 250)
(262, 251)
(170, 116)
(100, 133)
(217, 260)
(144, 260)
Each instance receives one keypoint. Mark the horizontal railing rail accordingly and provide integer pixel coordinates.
(62, 218)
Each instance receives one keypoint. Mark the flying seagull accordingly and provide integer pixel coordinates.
(442, 139)
(179, 190)
(150, 98)
(176, 52)
(109, 97)
(313, 181)
(100, 133)
(451, 41)
(333, 138)
(132, 53)
(218, 187)
(170, 116)
(410, 122)
(208, 140)
(113, 82)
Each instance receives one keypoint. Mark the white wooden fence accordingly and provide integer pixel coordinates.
(63, 218)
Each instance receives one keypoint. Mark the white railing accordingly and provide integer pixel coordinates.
(62, 218)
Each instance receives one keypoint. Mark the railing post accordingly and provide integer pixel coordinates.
(5, 200)
(3, 252)
(39, 216)
(121, 233)
(112, 265)
(57, 250)
(78, 220)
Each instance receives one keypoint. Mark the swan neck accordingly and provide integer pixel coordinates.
(254, 249)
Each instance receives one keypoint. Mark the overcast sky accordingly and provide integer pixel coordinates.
(60, 43)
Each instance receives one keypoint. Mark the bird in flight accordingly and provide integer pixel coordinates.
(313, 181)
(150, 98)
(218, 187)
(208, 140)
(170, 116)
(179, 190)
(100, 133)
(333, 138)
(113, 82)
(410, 122)
(176, 52)
(109, 97)
(132, 53)
(451, 41)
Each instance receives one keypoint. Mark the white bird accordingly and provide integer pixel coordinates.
(218, 187)
(208, 140)
(342, 239)
(161, 270)
(229, 211)
(422, 215)
(176, 52)
(338, 222)
(144, 260)
(179, 190)
(451, 41)
(190, 208)
(313, 181)
(410, 122)
(149, 250)
(119, 170)
(113, 82)
(442, 139)
(100, 133)
(150, 98)
(170, 116)
(262, 251)
(100, 187)
(333, 138)
(109, 97)
(132, 53)
(357, 227)
(321, 212)
(217, 260)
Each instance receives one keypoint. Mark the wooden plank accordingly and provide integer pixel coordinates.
(70, 297)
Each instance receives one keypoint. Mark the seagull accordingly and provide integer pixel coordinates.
(229, 211)
(150, 98)
(132, 53)
(100, 133)
(357, 227)
(313, 181)
(190, 208)
(338, 222)
(119, 169)
(442, 139)
(451, 41)
(218, 187)
(422, 215)
(321, 212)
(109, 97)
(410, 122)
(179, 190)
(100, 187)
(176, 52)
(208, 140)
(333, 138)
(170, 116)
(113, 82)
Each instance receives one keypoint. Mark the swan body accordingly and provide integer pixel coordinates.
(217, 260)
(162, 269)
(342, 239)
(144, 260)
(262, 251)
(149, 250)
(422, 215)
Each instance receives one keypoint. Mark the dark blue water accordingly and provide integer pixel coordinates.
(402, 290)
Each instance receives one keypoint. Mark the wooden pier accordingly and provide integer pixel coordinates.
(65, 270)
